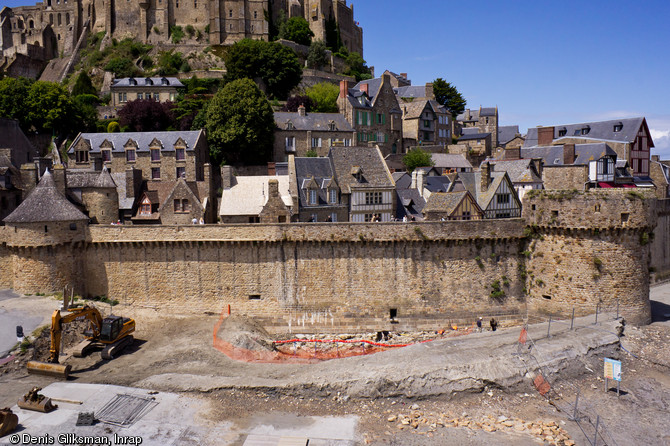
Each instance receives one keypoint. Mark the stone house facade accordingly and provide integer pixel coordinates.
(629, 138)
(173, 203)
(315, 191)
(484, 119)
(425, 123)
(366, 185)
(159, 89)
(372, 110)
(301, 132)
(442, 206)
(163, 156)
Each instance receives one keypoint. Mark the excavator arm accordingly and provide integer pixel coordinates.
(57, 321)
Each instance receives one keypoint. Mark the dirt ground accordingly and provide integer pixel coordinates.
(182, 345)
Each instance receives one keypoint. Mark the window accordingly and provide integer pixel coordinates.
(172, 97)
(369, 217)
(181, 206)
(82, 156)
(255, 14)
(289, 125)
(466, 215)
(373, 198)
(140, 96)
(230, 13)
(130, 155)
(381, 119)
(155, 155)
(181, 172)
(618, 127)
(586, 130)
(332, 196)
(331, 126)
(316, 142)
(426, 123)
(180, 154)
(106, 155)
(157, 97)
(503, 198)
(145, 207)
(333, 217)
(155, 173)
(562, 132)
(347, 142)
(290, 143)
(312, 197)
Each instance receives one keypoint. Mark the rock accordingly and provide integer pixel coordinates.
(489, 428)
(414, 407)
(569, 443)
(416, 414)
(502, 418)
(507, 423)
(392, 418)
(405, 421)
(414, 424)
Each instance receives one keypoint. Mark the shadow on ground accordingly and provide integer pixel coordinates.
(660, 312)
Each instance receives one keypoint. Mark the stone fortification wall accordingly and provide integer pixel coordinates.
(361, 274)
(588, 249)
(571, 250)
(660, 243)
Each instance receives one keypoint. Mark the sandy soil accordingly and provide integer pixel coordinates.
(182, 345)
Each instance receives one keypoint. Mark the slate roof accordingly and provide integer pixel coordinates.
(470, 131)
(45, 204)
(413, 110)
(444, 201)
(411, 91)
(373, 86)
(450, 160)
(553, 155)
(507, 133)
(321, 170)
(488, 111)
(471, 136)
(601, 130)
(147, 82)
(474, 116)
(402, 180)
(410, 203)
(143, 140)
(374, 173)
(440, 183)
(519, 171)
(77, 179)
(120, 181)
(250, 194)
(313, 121)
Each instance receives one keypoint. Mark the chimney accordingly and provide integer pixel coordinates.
(273, 188)
(569, 154)
(227, 177)
(28, 178)
(429, 91)
(344, 89)
(413, 185)
(301, 110)
(133, 182)
(419, 181)
(545, 136)
(655, 158)
(272, 169)
(403, 75)
(365, 88)
(60, 178)
(512, 153)
(486, 176)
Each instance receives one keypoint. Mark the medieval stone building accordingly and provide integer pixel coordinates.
(53, 27)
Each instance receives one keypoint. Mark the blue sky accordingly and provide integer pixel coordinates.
(541, 62)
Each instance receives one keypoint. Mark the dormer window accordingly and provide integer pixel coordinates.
(148, 81)
(132, 81)
(331, 126)
(357, 173)
(289, 125)
(130, 155)
(180, 154)
(81, 156)
(145, 207)
(164, 81)
(586, 130)
(312, 197)
(618, 127)
(155, 154)
(106, 155)
(332, 196)
(562, 132)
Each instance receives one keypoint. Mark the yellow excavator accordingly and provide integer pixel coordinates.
(113, 333)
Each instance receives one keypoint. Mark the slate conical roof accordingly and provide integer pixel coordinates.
(45, 204)
(105, 179)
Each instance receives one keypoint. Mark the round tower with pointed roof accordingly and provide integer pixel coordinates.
(44, 230)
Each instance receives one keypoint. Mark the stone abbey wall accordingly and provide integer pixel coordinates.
(356, 274)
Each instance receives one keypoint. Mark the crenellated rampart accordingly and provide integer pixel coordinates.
(558, 257)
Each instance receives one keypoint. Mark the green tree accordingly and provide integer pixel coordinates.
(113, 127)
(240, 124)
(296, 29)
(170, 62)
(83, 85)
(324, 96)
(357, 67)
(273, 66)
(417, 158)
(13, 99)
(317, 57)
(51, 108)
(447, 94)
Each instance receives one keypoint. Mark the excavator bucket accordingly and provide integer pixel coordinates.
(33, 400)
(45, 368)
(8, 421)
